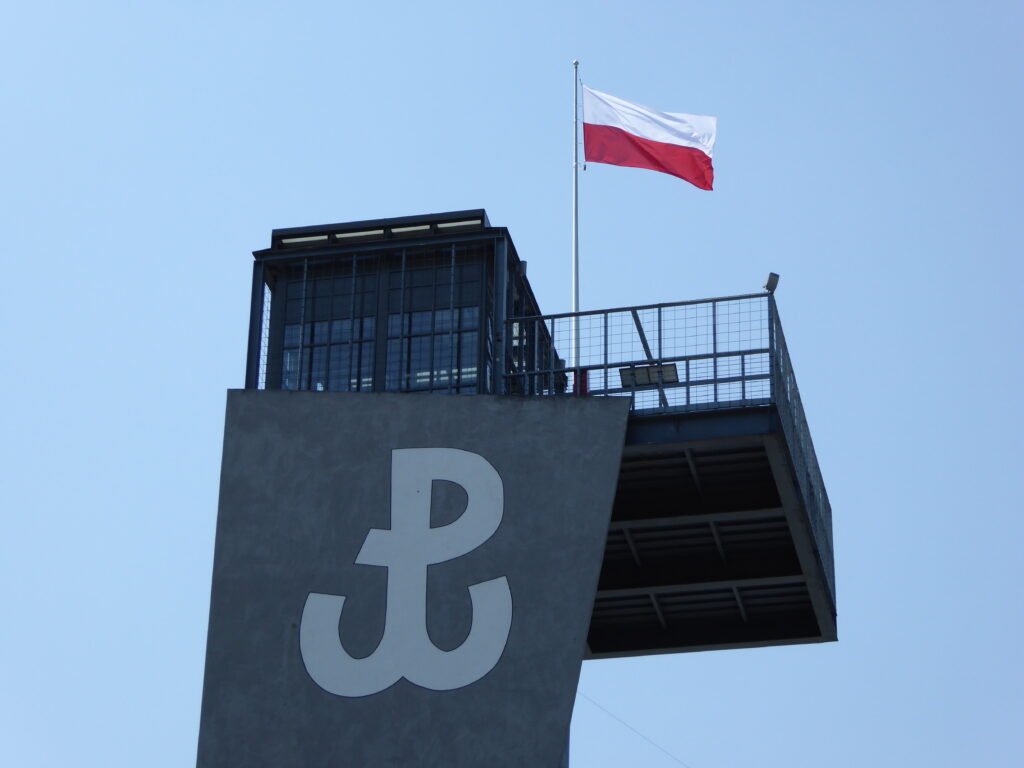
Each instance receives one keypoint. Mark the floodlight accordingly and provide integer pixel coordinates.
(771, 283)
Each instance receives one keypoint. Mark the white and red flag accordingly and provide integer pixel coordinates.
(618, 132)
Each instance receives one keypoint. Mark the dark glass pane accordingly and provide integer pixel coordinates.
(324, 287)
(322, 309)
(321, 332)
(422, 298)
(470, 318)
(420, 277)
(291, 335)
(468, 352)
(319, 373)
(443, 319)
(395, 301)
(369, 303)
(366, 367)
(420, 322)
(341, 306)
(419, 362)
(339, 368)
(368, 325)
(443, 295)
(393, 372)
(341, 330)
(293, 313)
(395, 325)
(295, 289)
(469, 294)
(290, 372)
(343, 286)
(442, 359)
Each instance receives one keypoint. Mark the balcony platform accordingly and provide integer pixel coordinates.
(721, 532)
(711, 544)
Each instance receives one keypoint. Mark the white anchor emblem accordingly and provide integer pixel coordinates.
(406, 549)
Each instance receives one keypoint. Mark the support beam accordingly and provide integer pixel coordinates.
(739, 603)
(632, 546)
(704, 586)
(750, 515)
(803, 537)
(657, 610)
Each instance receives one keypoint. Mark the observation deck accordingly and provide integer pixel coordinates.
(721, 533)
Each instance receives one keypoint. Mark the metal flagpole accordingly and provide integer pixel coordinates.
(575, 216)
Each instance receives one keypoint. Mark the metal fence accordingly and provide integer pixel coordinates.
(688, 356)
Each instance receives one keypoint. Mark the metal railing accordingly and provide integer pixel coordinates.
(682, 357)
(688, 356)
(786, 396)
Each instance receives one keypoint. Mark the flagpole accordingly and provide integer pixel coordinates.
(575, 214)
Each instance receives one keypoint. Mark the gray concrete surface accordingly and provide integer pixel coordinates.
(305, 478)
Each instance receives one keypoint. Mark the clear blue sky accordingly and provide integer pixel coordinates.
(869, 152)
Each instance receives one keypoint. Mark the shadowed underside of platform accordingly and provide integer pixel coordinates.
(709, 545)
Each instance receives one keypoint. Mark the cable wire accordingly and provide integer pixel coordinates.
(646, 738)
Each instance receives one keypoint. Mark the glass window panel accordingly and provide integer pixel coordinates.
(420, 322)
(341, 330)
(443, 319)
(341, 306)
(420, 277)
(468, 293)
(369, 303)
(468, 353)
(366, 367)
(319, 372)
(295, 289)
(442, 359)
(338, 380)
(395, 324)
(419, 362)
(470, 318)
(367, 329)
(291, 335)
(324, 287)
(322, 308)
(293, 313)
(393, 371)
(321, 332)
(422, 298)
(395, 300)
(442, 294)
(343, 286)
(290, 372)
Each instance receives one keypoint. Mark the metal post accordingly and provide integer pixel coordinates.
(302, 326)
(575, 213)
(256, 314)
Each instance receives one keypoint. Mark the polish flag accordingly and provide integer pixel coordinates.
(618, 132)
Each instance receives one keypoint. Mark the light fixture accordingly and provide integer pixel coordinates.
(648, 375)
(300, 240)
(771, 283)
